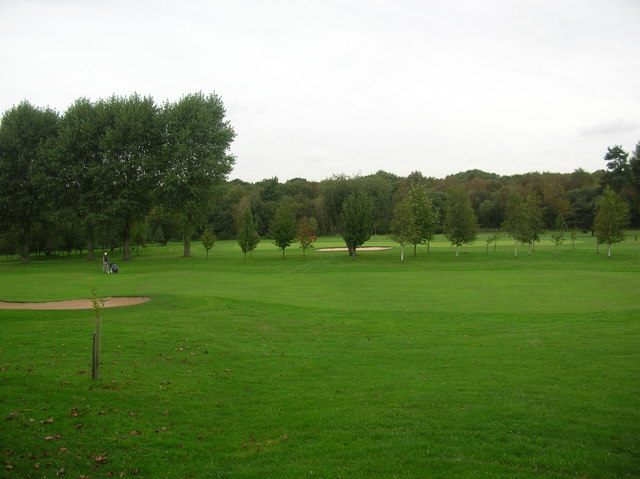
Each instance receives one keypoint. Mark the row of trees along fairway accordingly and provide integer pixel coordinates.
(127, 170)
(102, 167)
(415, 221)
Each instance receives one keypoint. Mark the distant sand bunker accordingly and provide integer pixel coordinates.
(74, 304)
(366, 248)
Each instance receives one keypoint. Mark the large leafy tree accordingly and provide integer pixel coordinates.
(634, 167)
(335, 191)
(617, 174)
(283, 226)
(25, 136)
(461, 225)
(582, 206)
(425, 217)
(129, 151)
(195, 159)
(623, 177)
(612, 217)
(79, 169)
(356, 220)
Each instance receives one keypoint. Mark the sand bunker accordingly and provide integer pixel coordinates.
(364, 248)
(74, 304)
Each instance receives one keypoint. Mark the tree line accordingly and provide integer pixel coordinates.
(126, 171)
(104, 171)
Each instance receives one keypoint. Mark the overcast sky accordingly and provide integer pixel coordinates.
(319, 87)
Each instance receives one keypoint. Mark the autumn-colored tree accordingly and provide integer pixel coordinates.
(307, 233)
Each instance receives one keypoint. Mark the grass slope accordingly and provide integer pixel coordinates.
(329, 366)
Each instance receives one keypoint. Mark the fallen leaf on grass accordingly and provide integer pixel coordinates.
(47, 421)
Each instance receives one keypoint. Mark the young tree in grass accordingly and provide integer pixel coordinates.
(612, 217)
(356, 220)
(493, 239)
(461, 225)
(208, 238)
(524, 220)
(556, 239)
(283, 226)
(248, 237)
(425, 217)
(403, 224)
(306, 234)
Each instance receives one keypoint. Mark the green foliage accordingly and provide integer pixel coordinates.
(403, 224)
(25, 133)
(194, 158)
(524, 220)
(612, 217)
(425, 216)
(461, 226)
(557, 239)
(356, 220)
(208, 239)
(248, 237)
(283, 226)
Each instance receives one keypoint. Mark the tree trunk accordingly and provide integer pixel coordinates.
(126, 254)
(515, 248)
(25, 246)
(457, 248)
(90, 247)
(187, 246)
(609, 251)
(25, 253)
(127, 249)
(402, 253)
(415, 250)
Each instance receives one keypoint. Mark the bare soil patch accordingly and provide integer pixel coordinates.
(365, 248)
(75, 303)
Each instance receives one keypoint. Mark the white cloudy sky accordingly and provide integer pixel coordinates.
(319, 87)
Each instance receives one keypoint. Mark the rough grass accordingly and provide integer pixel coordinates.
(484, 366)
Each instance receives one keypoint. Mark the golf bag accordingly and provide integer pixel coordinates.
(114, 267)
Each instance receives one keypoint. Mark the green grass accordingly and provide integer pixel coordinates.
(483, 366)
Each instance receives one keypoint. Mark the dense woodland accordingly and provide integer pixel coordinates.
(126, 171)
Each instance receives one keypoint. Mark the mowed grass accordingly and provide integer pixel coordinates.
(482, 366)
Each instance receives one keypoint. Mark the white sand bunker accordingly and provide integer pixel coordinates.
(364, 248)
(75, 304)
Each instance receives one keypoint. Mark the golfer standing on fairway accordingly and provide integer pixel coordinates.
(105, 263)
